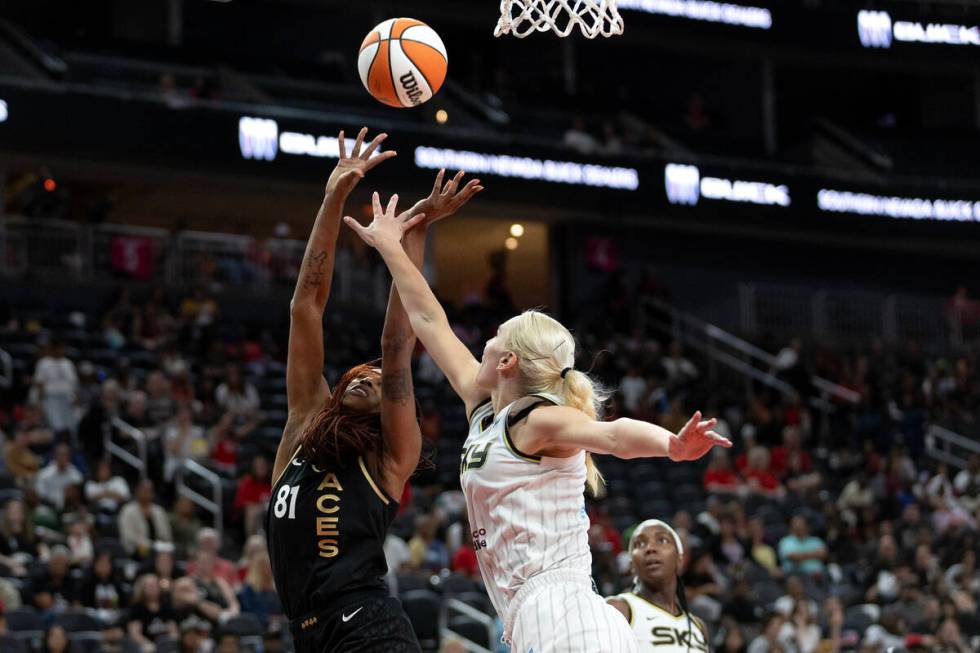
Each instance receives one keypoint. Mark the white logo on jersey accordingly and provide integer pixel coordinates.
(347, 617)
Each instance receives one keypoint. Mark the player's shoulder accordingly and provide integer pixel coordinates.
(622, 605)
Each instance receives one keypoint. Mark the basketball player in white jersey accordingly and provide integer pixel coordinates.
(657, 607)
(527, 460)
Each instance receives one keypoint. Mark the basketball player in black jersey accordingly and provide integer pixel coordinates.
(346, 454)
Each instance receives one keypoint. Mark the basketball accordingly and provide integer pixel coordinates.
(402, 62)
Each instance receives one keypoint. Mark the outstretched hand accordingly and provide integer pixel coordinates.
(386, 228)
(695, 439)
(446, 199)
(352, 168)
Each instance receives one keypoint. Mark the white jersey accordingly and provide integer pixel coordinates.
(526, 513)
(658, 631)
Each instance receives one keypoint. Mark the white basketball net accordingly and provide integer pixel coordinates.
(593, 17)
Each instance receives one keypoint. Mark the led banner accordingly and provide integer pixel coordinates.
(725, 13)
(882, 29)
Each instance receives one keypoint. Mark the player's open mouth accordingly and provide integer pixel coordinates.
(358, 391)
(654, 565)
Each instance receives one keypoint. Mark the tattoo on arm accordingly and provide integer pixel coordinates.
(315, 275)
(396, 385)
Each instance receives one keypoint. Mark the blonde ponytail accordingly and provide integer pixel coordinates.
(545, 348)
(580, 391)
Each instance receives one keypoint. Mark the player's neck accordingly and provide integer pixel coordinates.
(665, 599)
(504, 395)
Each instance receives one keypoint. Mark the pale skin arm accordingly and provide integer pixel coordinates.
(306, 389)
(398, 414)
(428, 319)
(562, 431)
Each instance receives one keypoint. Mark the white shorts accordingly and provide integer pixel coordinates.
(558, 616)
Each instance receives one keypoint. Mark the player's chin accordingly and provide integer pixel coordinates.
(360, 404)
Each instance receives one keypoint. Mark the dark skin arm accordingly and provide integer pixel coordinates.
(621, 606)
(306, 389)
(399, 421)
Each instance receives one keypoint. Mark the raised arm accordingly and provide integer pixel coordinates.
(398, 413)
(429, 321)
(306, 389)
(562, 431)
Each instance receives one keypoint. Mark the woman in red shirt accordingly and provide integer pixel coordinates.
(252, 496)
(720, 477)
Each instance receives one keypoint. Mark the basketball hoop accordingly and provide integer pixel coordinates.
(524, 17)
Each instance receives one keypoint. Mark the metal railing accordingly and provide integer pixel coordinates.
(116, 450)
(471, 612)
(212, 505)
(950, 447)
(842, 316)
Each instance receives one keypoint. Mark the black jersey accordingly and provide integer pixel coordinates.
(327, 529)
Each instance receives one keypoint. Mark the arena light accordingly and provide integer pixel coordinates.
(876, 29)
(517, 230)
(685, 185)
(4, 114)
(915, 208)
(503, 165)
(704, 10)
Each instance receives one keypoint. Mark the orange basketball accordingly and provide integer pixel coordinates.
(402, 62)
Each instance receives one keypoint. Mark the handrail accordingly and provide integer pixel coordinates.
(212, 505)
(137, 462)
(746, 348)
(472, 613)
(941, 440)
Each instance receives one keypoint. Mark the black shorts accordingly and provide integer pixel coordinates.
(373, 625)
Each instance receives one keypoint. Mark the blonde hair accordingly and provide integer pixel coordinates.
(545, 348)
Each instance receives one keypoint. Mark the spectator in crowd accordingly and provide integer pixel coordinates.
(633, 388)
(79, 538)
(184, 525)
(967, 484)
(236, 396)
(101, 590)
(18, 542)
(106, 492)
(768, 640)
(212, 587)
(160, 404)
(52, 588)
(209, 541)
(252, 495)
(258, 595)
(428, 552)
(762, 553)
(55, 640)
(143, 525)
(22, 464)
(758, 475)
(720, 477)
(150, 614)
(56, 476)
(680, 370)
(114, 639)
(188, 600)
(224, 437)
(183, 440)
(194, 635)
(165, 568)
(799, 632)
(801, 552)
(795, 594)
(580, 140)
(56, 382)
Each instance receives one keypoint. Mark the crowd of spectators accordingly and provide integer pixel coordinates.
(816, 533)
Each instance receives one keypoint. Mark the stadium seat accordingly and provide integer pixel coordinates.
(25, 626)
(471, 629)
(244, 625)
(10, 644)
(767, 592)
(422, 608)
(860, 617)
(409, 581)
(78, 621)
(167, 644)
(477, 601)
(457, 584)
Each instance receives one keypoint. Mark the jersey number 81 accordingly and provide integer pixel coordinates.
(286, 501)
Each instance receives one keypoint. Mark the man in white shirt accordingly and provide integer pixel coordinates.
(633, 387)
(57, 384)
(967, 484)
(56, 476)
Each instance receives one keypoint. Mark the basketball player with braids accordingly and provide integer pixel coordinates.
(527, 460)
(657, 607)
(346, 454)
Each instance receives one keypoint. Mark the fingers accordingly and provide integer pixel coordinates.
(453, 183)
(384, 156)
(342, 145)
(437, 187)
(707, 425)
(378, 140)
(358, 228)
(392, 206)
(354, 153)
(695, 418)
(414, 220)
(376, 205)
(718, 439)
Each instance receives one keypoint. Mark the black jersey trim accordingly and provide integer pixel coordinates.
(476, 408)
(286, 468)
(374, 486)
